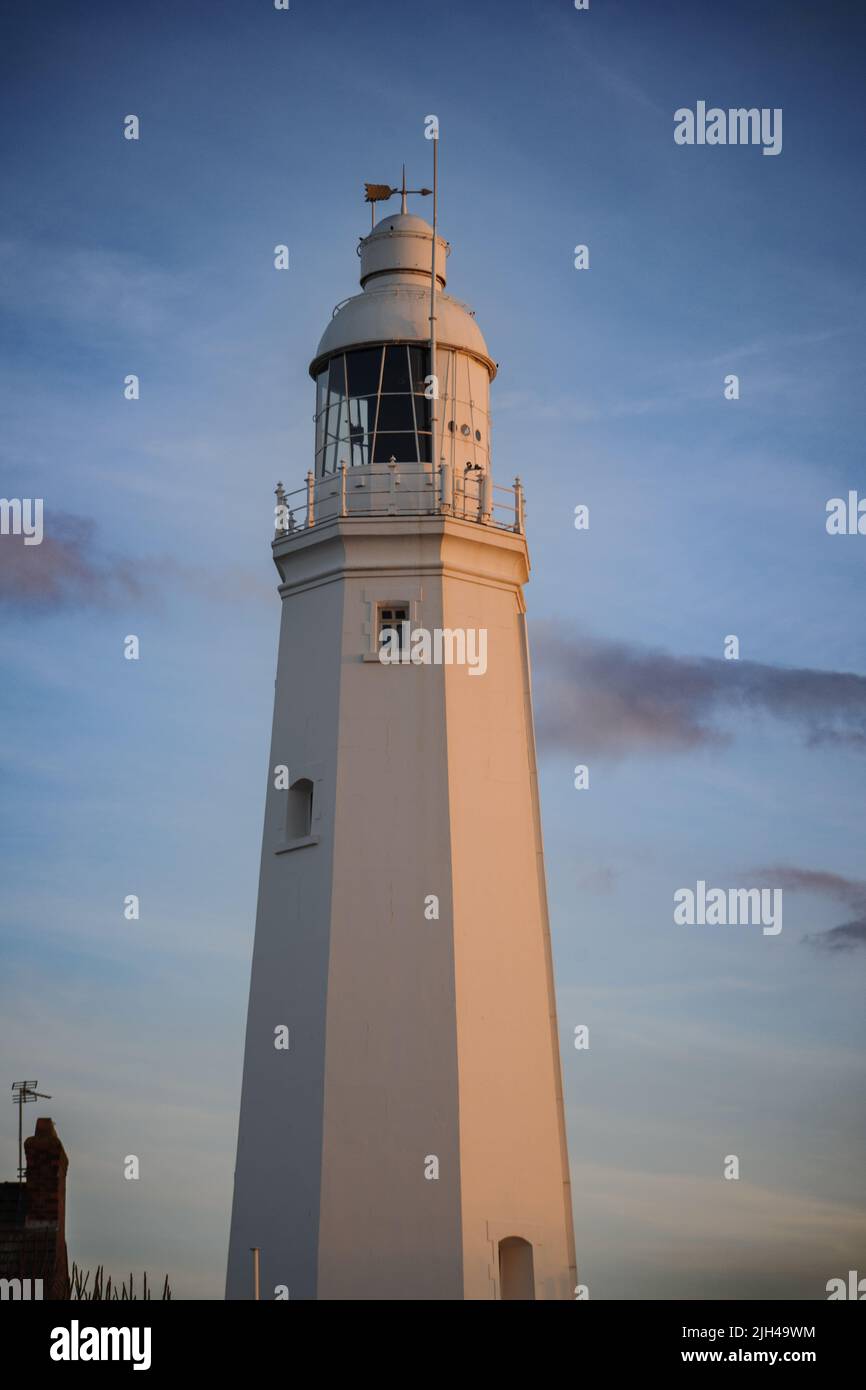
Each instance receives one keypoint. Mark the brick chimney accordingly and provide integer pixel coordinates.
(46, 1177)
(33, 1216)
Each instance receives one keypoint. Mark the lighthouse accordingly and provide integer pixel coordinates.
(401, 1131)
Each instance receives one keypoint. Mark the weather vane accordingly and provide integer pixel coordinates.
(380, 193)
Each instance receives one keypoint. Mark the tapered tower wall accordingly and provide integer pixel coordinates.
(278, 1168)
(513, 1160)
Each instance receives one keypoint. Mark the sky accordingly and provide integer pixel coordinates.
(707, 519)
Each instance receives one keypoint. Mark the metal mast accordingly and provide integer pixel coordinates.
(435, 383)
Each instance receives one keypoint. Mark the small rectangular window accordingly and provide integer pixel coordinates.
(392, 618)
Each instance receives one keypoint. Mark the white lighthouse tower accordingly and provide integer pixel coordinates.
(401, 1129)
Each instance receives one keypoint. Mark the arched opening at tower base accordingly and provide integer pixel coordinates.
(516, 1272)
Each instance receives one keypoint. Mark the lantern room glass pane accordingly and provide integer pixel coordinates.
(364, 369)
(401, 446)
(338, 421)
(422, 412)
(321, 402)
(395, 376)
(337, 435)
(395, 413)
(362, 413)
(337, 377)
(418, 358)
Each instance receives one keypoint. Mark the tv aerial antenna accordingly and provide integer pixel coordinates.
(23, 1092)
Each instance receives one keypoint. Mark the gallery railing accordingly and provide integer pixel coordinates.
(399, 489)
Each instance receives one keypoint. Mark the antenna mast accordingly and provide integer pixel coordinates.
(435, 397)
(22, 1093)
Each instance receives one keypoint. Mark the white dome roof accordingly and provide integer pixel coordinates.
(400, 244)
(395, 303)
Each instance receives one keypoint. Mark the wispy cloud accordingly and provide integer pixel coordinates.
(847, 937)
(770, 345)
(851, 892)
(87, 287)
(598, 696)
(72, 568)
(69, 568)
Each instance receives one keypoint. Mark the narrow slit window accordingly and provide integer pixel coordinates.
(299, 819)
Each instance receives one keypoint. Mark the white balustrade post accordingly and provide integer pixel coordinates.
(518, 506)
(446, 487)
(486, 497)
(281, 511)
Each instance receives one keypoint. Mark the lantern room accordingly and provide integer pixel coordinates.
(372, 367)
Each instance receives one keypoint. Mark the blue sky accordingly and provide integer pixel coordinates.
(707, 518)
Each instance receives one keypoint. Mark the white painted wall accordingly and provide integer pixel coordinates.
(411, 1038)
